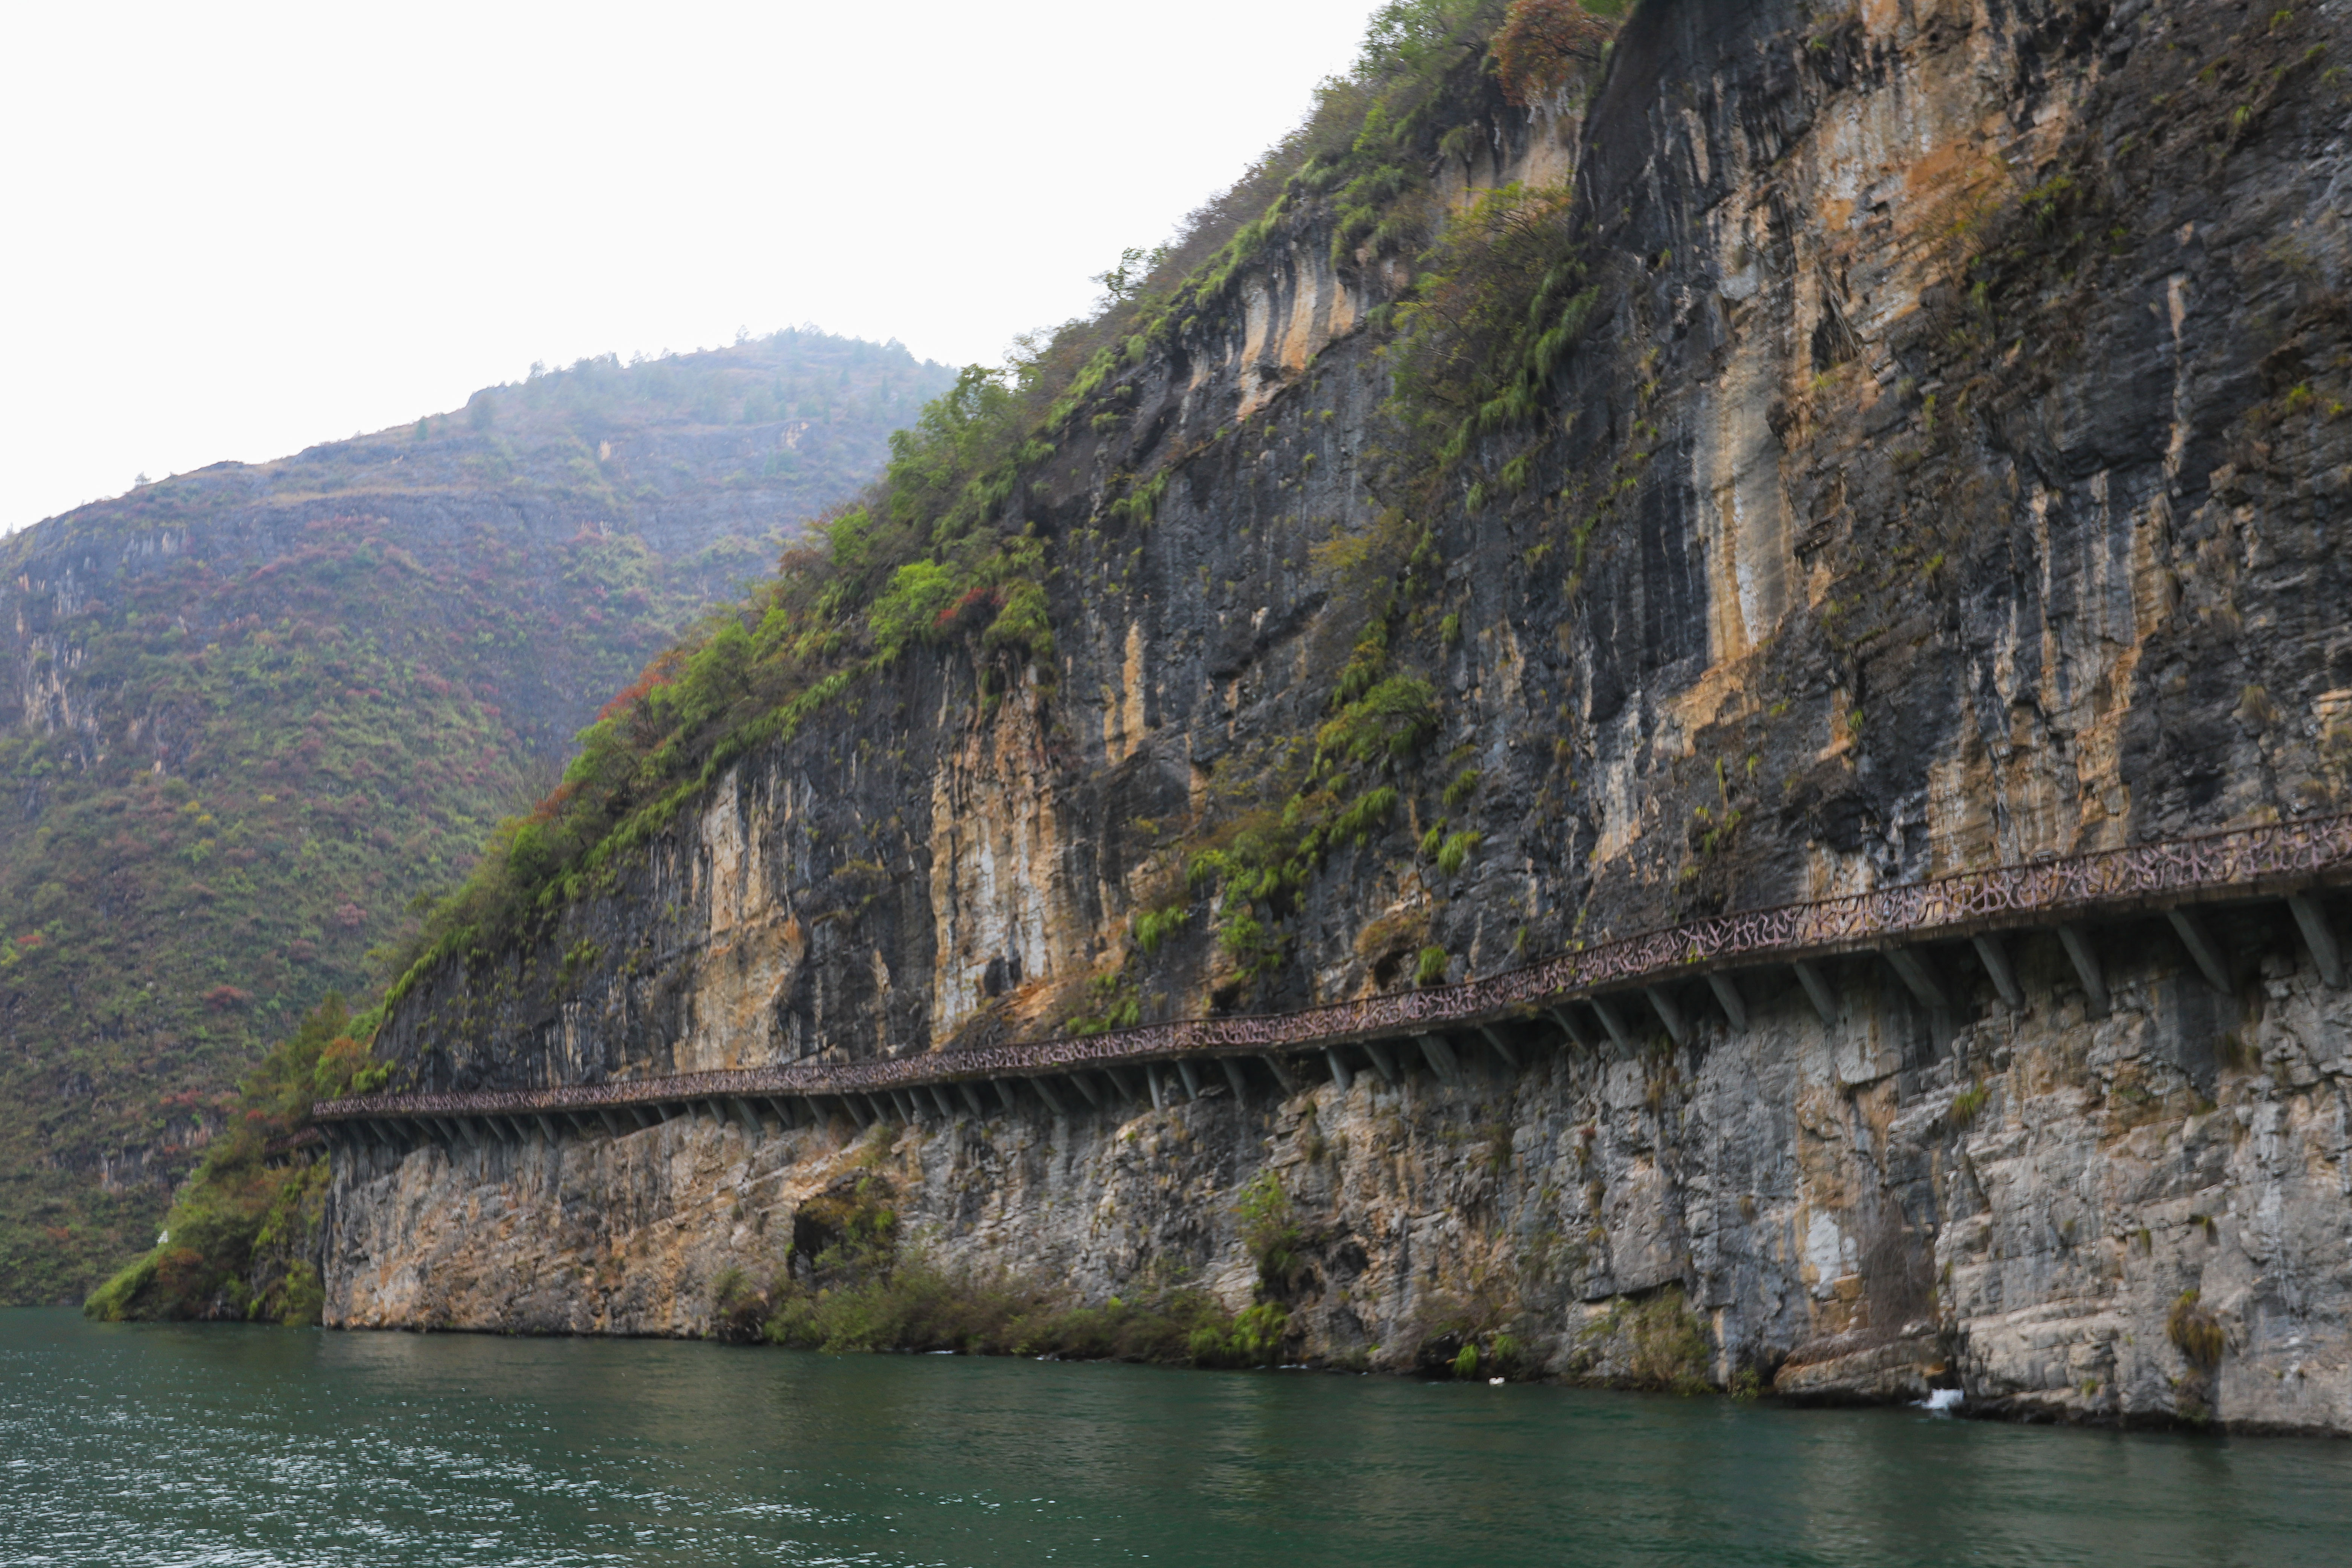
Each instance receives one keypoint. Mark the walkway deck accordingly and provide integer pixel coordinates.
(2173, 879)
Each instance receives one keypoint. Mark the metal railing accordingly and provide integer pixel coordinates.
(2237, 862)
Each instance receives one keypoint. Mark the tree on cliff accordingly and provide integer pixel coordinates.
(1543, 44)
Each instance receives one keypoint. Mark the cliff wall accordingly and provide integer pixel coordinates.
(1947, 471)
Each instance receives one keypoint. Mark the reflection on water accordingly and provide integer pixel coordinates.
(215, 1445)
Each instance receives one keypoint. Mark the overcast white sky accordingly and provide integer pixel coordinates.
(233, 230)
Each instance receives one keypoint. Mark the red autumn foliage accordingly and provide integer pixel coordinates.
(975, 609)
(660, 672)
(1541, 44)
(221, 998)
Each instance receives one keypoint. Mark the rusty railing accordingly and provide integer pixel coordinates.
(2237, 862)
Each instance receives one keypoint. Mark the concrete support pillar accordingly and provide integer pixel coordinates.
(2311, 919)
(2077, 943)
(1086, 1086)
(1006, 1092)
(1440, 1059)
(1496, 1044)
(1572, 1024)
(1158, 1090)
(1994, 955)
(1817, 990)
(1339, 1073)
(1045, 1092)
(1383, 1062)
(1606, 1011)
(2206, 952)
(1281, 1072)
(1918, 975)
(1670, 1013)
(1192, 1076)
(1728, 997)
(971, 1093)
(1233, 1077)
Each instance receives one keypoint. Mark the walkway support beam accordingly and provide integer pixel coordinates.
(1339, 1073)
(2202, 948)
(1919, 977)
(1994, 956)
(1670, 1013)
(1440, 1058)
(1728, 997)
(1571, 1025)
(1818, 991)
(2077, 943)
(2318, 936)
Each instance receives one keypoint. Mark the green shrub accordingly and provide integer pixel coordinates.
(241, 1233)
(1387, 724)
(1431, 968)
(1663, 1343)
(2195, 1332)
(1155, 926)
(1457, 849)
(1269, 1230)
(866, 1289)
(919, 591)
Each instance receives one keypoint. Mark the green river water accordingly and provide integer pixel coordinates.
(233, 1446)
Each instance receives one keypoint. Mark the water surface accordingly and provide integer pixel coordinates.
(233, 1446)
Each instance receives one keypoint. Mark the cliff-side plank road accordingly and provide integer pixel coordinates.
(1607, 982)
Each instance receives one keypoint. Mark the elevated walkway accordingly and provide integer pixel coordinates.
(1936, 937)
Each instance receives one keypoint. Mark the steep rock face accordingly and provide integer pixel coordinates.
(2020, 1212)
(1950, 473)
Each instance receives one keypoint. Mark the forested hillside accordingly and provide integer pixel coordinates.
(250, 714)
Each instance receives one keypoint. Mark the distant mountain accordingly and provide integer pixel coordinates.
(249, 714)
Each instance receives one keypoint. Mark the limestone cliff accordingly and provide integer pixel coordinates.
(1950, 468)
